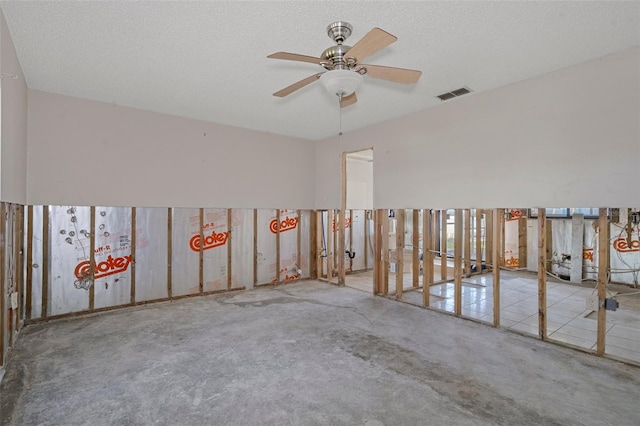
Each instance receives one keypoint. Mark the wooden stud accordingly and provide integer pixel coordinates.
(342, 220)
(522, 243)
(478, 241)
(92, 258)
(495, 266)
(298, 242)
(313, 261)
(20, 265)
(134, 240)
(45, 262)
(321, 251)
(169, 252)
(229, 248)
(467, 242)
(351, 222)
(443, 244)
(201, 253)
(377, 253)
(255, 247)
(502, 238)
(278, 246)
(330, 233)
(427, 255)
(542, 274)
(457, 262)
(385, 252)
(29, 283)
(489, 237)
(603, 273)
(400, 215)
(340, 248)
(415, 240)
(3, 289)
(365, 252)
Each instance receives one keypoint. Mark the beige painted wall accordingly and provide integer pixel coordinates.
(570, 138)
(83, 152)
(13, 124)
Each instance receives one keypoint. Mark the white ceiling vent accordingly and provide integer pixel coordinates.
(458, 92)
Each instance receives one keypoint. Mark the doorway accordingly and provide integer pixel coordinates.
(357, 202)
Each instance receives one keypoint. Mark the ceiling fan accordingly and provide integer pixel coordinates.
(343, 68)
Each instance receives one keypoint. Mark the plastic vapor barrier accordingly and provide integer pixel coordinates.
(112, 275)
(185, 264)
(69, 271)
(215, 248)
(36, 264)
(289, 227)
(242, 248)
(266, 244)
(511, 245)
(151, 254)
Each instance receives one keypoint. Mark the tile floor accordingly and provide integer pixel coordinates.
(568, 319)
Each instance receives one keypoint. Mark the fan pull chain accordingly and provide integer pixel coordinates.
(340, 112)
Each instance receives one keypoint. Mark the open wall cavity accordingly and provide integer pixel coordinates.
(86, 259)
(502, 267)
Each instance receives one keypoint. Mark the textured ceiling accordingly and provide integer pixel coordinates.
(207, 60)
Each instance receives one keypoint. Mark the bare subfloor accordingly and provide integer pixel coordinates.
(306, 353)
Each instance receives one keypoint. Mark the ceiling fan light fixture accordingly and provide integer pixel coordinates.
(341, 82)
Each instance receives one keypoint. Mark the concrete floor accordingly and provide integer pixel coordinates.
(305, 353)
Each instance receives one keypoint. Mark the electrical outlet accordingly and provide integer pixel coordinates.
(14, 300)
(592, 302)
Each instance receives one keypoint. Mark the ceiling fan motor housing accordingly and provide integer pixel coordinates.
(339, 31)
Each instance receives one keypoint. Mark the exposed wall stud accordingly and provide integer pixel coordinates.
(169, 251)
(603, 273)
(3, 288)
(329, 254)
(377, 252)
(133, 256)
(457, 262)
(443, 244)
(341, 247)
(229, 248)
(366, 239)
(20, 265)
(313, 244)
(502, 238)
(427, 255)
(299, 242)
(92, 258)
(277, 246)
(415, 241)
(542, 274)
(201, 253)
(385, 252)
(489, 237)
(255, 247)
(29, 283)
(467, 242)
(45, 262)
(495, 266)
(478, 241)
(400, 216)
